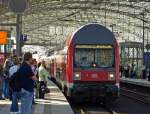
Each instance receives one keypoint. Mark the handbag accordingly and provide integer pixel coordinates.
(47, 90)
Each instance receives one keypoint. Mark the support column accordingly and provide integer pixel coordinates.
(137, 58)
(105, 13)
(147, 40)
(133, 55)
(143, 38)
(18, 34)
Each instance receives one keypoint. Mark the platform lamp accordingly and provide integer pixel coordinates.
(18, 7)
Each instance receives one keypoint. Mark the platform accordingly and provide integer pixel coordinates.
(54, 103)
(140, 82)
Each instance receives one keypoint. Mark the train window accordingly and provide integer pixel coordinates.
(87, 58)
(83, 57)
(104, 57)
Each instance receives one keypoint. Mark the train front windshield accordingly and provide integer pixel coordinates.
(95, 56)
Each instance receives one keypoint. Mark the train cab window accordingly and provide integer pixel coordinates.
(94, 58)
(104, 57)
(83, 58)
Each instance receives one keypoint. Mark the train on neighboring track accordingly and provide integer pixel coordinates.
(87, 67)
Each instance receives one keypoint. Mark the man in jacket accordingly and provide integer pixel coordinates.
(27, 83)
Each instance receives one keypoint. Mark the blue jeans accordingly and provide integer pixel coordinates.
(6, 88)
(15, 99)
(1, 87)
(26, 101)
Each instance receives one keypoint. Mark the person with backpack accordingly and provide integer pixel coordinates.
(15, 94)
(27, 83)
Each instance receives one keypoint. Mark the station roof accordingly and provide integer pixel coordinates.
(48, 22)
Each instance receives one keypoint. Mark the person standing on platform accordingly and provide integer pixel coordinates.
(43, 75)
(1, 82)
(27, 83)
(7, 64)
(121, 69)
(35, 71)
(126, 71)
(144, 72)
(38, 83)
(133, 71)
(14, 109)
(149, 75)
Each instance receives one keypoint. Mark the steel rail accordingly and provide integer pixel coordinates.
(95, 110)
(135, 95)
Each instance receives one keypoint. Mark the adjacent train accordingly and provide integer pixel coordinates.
(87, 67)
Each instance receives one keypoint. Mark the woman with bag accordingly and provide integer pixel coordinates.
(43, 74)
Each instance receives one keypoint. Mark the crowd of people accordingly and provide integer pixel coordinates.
(130, 71)
(33, 79)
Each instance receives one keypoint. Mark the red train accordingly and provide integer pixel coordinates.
(87, 68)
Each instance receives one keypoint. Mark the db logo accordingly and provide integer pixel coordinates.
(94, 76)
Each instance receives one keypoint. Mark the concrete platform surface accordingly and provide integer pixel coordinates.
(54, 103)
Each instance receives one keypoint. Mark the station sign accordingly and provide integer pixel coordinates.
(23, 37)
(3, 37)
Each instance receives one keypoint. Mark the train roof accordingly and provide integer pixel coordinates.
(93, 34)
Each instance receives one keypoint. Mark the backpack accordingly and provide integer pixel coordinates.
(15, 82)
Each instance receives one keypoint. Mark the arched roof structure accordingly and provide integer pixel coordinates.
(48, 22)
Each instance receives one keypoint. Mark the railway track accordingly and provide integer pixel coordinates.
(144, 98)
(93, 110)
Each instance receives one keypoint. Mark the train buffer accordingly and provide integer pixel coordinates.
(54, 103)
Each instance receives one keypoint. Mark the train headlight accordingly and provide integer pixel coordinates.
(77, 76)
(111, 76)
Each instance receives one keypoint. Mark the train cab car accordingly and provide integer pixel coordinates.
(87, 68)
